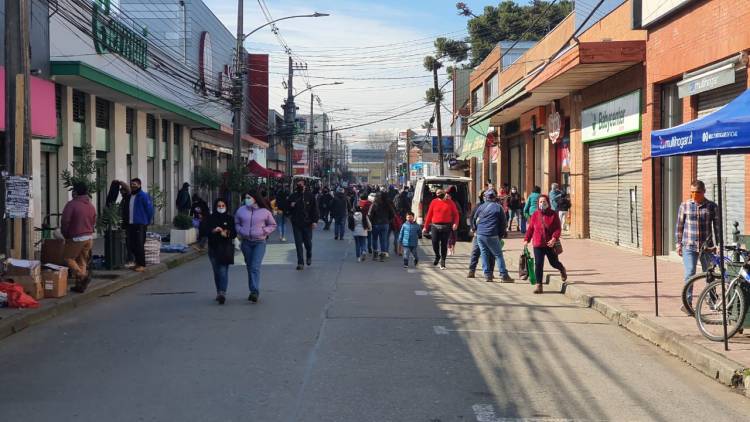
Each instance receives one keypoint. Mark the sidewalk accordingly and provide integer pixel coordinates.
(103, 283)
(619, 284)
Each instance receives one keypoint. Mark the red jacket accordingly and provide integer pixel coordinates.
(541, 220)
(442, 211)
(78, 217)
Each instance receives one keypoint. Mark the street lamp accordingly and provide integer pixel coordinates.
(314, 15)
(311, 141)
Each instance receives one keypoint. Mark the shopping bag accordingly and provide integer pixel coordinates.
(523, 270)
(530, 266)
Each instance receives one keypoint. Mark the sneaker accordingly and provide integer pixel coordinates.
(442, 265)
(221, 298)
(385, 254)
(283, 239)
(139, 269)
(437, 261)
(364, 257)
(472, 274)
(564, 274)
(416, 261)
(253, 297)
(309, 261)
(406, 265)
(489, 279)
(335, 238)
(382, 257)
(300, 267)
(506, 279)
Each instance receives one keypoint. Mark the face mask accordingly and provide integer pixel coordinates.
(698, 196)
(221, 210)
(249, 202)
(299, 189)
(543, 206)
(441, 196)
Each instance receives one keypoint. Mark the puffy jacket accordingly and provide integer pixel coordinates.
(359, 224)
(409, 235)
(543, 226)
(339, 206)
(254, 223)
(532, 203)
(141, 208)
(489, 220)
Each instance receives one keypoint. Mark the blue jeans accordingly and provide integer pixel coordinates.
(338, 229)
(490, 245)
(380, 234)
(690, 260)
(221, 275)
(360, 245)
(476, 253)
(515, 214)
(281, 224)
(410, 250)
(253, 252)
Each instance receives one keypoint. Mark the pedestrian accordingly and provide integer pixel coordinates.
(532, 202)
(303, 213)
(543, 231)
(403, 203)
(253, 222)
(278, 215)
(451, 194)
(476, 252)
(282, 204)
(563, 208)
(360, 226)
(555, 194)
(408, 238)
(697, 226)
(394, 227)
(442, 218)
(324, 203)
(141, 215)
(515, 207)
(77, 226)
(220, 231)
(339, 212)
(381, 214)
(489, 220)
(365, 203)
(183, 199)
(199, 208)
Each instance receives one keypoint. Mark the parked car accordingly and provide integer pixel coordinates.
(424, 193)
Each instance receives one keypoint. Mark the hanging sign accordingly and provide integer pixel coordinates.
(18, 197)
(554, 127)
(612, 118)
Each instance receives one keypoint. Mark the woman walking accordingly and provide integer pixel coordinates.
(278, 205)
(381, 214)
(254, 222)
(219, 229)
(442, 219)
(543, 232)
(360, 226)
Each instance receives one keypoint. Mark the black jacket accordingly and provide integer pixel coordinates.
(304, 210)
(339, 206)
(219, 247)
(381, 213)
(183, 199)
(325, 201)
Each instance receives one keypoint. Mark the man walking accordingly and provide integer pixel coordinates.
(555, 195)
(339, 212)
(183, 199)
(303, 211)
(324, 203)
(77, 226)
(489, 220)
(141, 214)
(697, 224)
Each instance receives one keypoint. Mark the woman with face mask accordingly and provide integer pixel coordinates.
(219, 229)
(254, 222)
(543, 232)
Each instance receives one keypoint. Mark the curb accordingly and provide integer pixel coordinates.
(18, 322)
(710, 363)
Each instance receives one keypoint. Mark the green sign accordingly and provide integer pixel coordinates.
(112, 36)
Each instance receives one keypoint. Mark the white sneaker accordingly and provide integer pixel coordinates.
(283, 239)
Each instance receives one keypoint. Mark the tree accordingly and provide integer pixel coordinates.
(510, 21)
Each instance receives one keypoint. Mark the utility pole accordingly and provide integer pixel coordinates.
(437, 115)
(290, 112)
(407, 179)
(311, 141)
(17, 148)
(237, 86)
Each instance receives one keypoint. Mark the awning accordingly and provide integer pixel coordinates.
(474, 140)
(728, 128)
(509, 96)
(257, 169)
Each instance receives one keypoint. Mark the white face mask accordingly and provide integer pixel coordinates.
(221, 210)
(543, 205)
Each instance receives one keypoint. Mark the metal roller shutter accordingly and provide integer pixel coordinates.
(629, 193)
(732, 166)
(603, 191)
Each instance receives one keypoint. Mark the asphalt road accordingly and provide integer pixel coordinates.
(345, 341)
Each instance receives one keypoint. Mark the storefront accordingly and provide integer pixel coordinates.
(611, 135)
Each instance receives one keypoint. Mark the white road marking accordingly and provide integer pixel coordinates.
(486, 413)
(421, 292)
(439, 329)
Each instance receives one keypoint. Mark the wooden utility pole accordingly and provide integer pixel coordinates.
(437, 115)
(17, 148)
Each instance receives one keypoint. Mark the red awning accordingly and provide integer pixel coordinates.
(260, 171)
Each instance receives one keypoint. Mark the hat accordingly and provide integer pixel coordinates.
(490, 194)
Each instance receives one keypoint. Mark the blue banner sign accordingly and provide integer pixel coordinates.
(447, 145)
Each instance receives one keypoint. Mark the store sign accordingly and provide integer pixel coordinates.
(706, 81)
(652, 11)
(112, 36)
(554, 127)
(612, 118)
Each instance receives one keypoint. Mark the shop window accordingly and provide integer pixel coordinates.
(671, 106)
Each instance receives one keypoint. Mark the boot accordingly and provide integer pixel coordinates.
(539, 289)
(471, 274)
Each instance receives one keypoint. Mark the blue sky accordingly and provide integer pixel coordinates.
(374, 47)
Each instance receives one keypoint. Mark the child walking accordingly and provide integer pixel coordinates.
(360, 225)
(408, 238)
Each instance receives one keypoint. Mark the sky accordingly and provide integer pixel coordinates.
(375, 48)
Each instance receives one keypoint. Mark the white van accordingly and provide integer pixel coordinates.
(424, 193)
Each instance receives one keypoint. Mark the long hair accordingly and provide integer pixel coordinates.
(259, 199)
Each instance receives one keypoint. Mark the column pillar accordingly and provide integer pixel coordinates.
(528, 181)
(652, 203)
(158, 173)
(171, 176)
(65, 152)
(503, 155)
(117, 157)
(579, 185)
(186, 157)
(140, 149)
(474, 195)
(689, 162)
(36, 181)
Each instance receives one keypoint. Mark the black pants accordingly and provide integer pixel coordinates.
(539, 254)
(136, 242)
(476, 253)
(302, 236)
(325, 215)
(440, 242)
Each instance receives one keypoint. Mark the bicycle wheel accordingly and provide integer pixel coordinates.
(694, 285)
(708, 311)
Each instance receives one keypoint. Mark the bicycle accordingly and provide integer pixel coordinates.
(710, 311)
(712, 272)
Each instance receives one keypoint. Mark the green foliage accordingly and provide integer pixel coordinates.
(455, 51)
(182, 222)
(431, 62)
(238, 180)
(158, 197)
(430, 96)
(84, 171)
(207, 178)
(109, 219)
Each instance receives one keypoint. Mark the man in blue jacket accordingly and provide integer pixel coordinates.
(141, 215)
(489, 220)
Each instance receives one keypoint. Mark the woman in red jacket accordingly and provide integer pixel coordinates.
(543, 231)
(442, 219)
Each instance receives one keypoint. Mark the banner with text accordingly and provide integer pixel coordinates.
(616, 117)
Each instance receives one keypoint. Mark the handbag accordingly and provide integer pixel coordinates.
(523, 269)
(557, 247)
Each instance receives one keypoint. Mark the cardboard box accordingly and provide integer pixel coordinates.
(32, 285)
(23, 267)
(53, 251)
(55, 281)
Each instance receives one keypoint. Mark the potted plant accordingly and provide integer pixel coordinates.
(109, 222)
(158, 199)
(183, 231)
